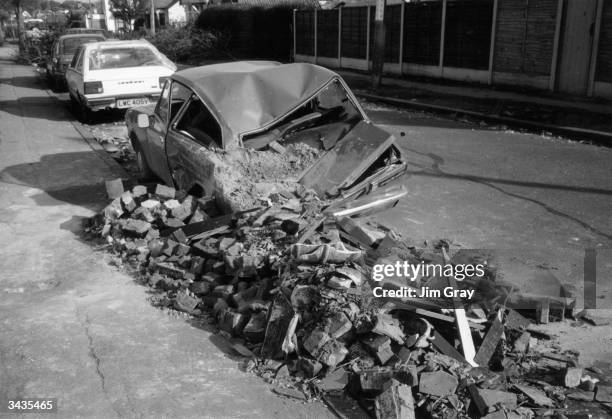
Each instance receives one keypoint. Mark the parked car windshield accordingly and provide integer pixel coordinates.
(122, 57)
(70, 45)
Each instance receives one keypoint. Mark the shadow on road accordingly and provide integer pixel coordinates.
(65, 177)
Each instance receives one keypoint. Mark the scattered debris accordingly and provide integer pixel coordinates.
(291, 291)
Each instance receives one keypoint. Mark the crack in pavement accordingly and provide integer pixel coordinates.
(434, 170)
(92, 354)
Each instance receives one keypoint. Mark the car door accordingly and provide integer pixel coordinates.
(74, 73)
(191, 139)
(172, 98)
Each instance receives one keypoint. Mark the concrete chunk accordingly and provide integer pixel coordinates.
(604, 394)
(572, 377)
(128, 201)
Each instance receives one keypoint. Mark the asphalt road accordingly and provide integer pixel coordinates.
(75, 328)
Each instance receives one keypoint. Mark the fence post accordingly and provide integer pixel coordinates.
(492, 46)
(595, 48)
(340, 37)
(368, 40)
(316, 26)
(294, 34)
(553, 67)
(401, 42)
(442, 35)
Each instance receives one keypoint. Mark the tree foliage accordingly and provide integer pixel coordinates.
(127, 10)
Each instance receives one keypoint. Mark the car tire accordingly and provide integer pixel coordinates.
(85, 114)
(144, 171)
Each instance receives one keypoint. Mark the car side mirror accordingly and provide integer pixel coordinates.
(142, 120)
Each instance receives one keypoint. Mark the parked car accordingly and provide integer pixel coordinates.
(88, 31)
(116, 75)
(206, 113)
(62, 54)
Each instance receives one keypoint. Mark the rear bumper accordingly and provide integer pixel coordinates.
(110, 102)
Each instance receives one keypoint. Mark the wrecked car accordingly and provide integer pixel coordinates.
(242, 131)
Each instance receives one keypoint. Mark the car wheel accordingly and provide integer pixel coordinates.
(144, 171)
(85, 114)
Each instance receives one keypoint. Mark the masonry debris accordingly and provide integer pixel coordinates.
(289, 286)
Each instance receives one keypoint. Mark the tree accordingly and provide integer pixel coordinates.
(127, 10)
(17, 7)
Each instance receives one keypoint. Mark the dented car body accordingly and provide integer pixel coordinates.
(215, 123)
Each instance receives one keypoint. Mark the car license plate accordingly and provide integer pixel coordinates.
(131, 102)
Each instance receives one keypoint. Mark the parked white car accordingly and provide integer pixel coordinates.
(116, 74)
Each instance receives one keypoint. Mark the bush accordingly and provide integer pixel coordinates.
(187, 44)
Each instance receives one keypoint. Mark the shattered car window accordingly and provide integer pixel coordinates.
(180, 94)
(102, 59)
(331, 110)
(198, 122)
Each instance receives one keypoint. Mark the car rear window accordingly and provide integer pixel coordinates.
(122, 57)
(70, 45)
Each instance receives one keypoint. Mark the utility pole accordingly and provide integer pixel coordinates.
(152, 16)
(378, 55)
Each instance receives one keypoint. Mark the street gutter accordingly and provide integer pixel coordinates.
(597, 137)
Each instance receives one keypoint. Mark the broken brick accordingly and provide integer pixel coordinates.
(256, 327)
(136, 227)
(223, 291)
(144, 214)
(200, 288)
(155, 247)
(128, 201)
(197, 265)
(170, 270)
(165, 192)
(572, 377)
(173, 223)
(186, 302)
(170, 247)
(113, 210)
(150, 204)
(114, 188)
(315, 341)
(182, 250)
(338, 325)
(139, 191)
(438, 383)
(381, 348)
(232, 322)
(604, 394)
(396, 402)
(309, 367)
(332, 353)
(488, 401)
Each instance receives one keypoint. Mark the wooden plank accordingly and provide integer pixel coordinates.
(442, 345)
(489, 344)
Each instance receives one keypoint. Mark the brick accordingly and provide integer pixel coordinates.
(113, 210)
(256, 327)
(182, 250)
(332, 353)
(127, 200)
(583, 396)
(185, 302)
(223, 291)
(150, 204)
(165, 192)
(114, 188)
(198, 216)
(179, 236)
(136, 227)
(335, 381)
(171, 204)
(604, 394)
(309, 367)
(142, 213)
(572, 376)
(171, 222)
(488, 401)
(184, 210)
(200, 288)
(521, 345)
(170, 270)
(315, 341)
(232, 322)
(396, 402)
(197, 265)
(438, 383)
(381, 348)
(338, 325)
(139, 191)
(155, 247)
(169, 248)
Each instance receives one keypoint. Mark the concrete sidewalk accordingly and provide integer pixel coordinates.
(577, 118)
(76, 328)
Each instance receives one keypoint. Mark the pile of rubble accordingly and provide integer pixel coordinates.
(291, 291)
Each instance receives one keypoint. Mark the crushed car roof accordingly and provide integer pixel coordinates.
(249, 95)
